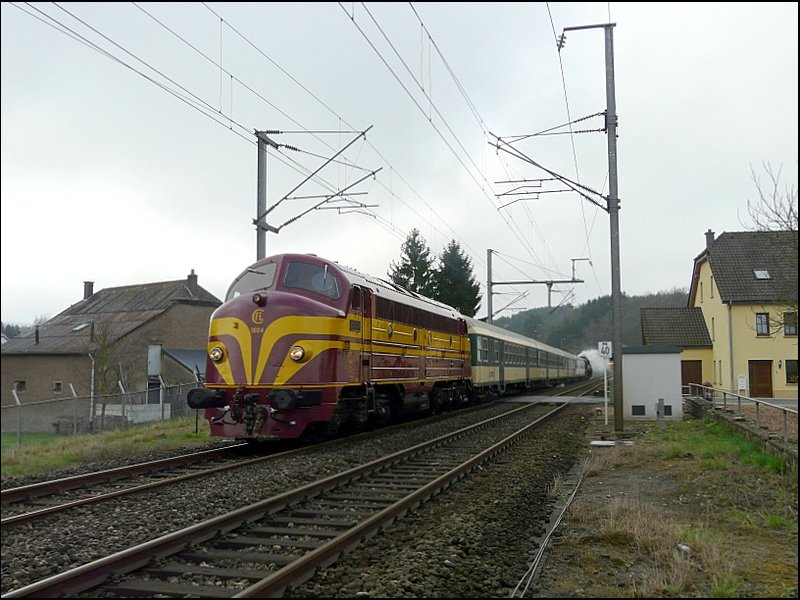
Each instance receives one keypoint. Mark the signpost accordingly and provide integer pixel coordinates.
(605, 353)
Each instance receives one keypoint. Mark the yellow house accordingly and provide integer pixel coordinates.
(743, 300)
(746, 285)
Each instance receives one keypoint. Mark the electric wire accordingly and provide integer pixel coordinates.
(438, 131)
(215, 114)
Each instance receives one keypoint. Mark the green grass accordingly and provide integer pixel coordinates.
(716, 446)
(737, 535)
(42, 453)
(9, 440)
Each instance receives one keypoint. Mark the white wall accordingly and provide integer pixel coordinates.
(648, 377)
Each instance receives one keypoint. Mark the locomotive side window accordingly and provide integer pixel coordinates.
(252, 279)
(355, 300)
(314, 278)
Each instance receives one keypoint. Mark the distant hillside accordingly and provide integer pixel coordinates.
(580, 328)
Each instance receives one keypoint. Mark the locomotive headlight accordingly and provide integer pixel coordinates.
(216, 353)
(297, 353)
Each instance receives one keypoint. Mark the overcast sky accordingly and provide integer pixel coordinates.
(128, 152)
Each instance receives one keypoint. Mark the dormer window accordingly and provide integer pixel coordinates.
(761, 274)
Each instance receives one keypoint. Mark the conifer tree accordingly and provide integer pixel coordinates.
(415, 270)
(453, 281)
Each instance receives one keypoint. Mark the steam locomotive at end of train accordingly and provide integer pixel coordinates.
(303, 346)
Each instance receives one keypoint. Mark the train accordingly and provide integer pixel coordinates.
(303, 348)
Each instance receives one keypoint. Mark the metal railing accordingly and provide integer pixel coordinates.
(724, 398)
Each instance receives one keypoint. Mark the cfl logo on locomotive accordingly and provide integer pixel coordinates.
(258, 316)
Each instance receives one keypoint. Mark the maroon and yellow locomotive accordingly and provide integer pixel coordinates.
(302, 346)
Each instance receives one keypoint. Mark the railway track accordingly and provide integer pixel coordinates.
(26, 503)
(292, 534)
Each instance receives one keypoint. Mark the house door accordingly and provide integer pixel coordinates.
(760, 378)
(691, 372)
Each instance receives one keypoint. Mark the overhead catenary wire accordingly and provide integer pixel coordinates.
(436, 129)
(218, 115)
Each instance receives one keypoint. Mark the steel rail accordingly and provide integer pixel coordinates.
(93, 574)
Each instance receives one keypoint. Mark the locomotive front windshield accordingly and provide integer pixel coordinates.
(314, 278)
(254, 278)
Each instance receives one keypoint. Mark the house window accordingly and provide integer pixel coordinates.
(637, 410)
(791, 371)
(762, 324)
(713, 330)
(19, 385)
(668, 410)
(701, 291)
(761, 274)
(711, 291)
(790, 323)
(57, 387)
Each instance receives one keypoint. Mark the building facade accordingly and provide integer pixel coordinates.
(105, 343)
(744, 287)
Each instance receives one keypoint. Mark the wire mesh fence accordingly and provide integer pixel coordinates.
(85, 414)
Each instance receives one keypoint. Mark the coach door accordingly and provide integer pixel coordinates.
(760, 378)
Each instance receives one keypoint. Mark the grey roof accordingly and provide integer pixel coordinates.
(735, 256)
(652, 349)
(683, 327)
(111, 313)
(192, 360)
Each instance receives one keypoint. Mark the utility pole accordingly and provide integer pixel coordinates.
(613, 212)
(261, 193)
(490, 284)
(262, 227)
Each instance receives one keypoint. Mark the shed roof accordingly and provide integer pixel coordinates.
(192, 360)
(653, 349)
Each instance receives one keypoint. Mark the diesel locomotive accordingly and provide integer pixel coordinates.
(303, 346)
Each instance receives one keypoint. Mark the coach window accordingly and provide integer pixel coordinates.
(483, 350)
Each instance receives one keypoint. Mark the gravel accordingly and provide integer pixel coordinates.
(477, 521)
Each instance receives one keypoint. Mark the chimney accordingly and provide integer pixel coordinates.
(192, 282)
(88, 289)
(709, 239)
(36, 333)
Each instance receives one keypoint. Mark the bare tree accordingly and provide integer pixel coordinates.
(775, 209)
(776, 206)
